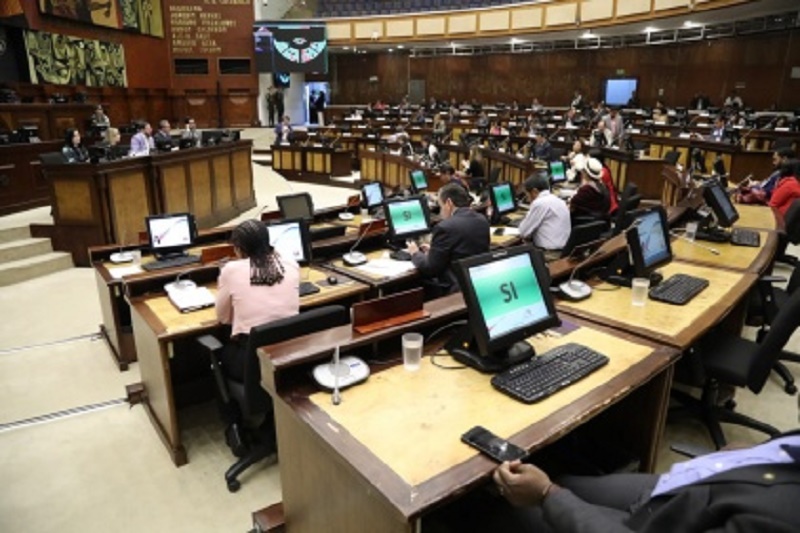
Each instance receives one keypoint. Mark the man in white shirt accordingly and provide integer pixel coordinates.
(430, 150)
(142, 142)
(547, 223)
(614, 125)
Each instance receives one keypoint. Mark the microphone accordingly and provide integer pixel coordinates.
(122, 256)
(687, 239)
(353, 258)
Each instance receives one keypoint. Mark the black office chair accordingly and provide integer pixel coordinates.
(771, 300)
(242, 400)
(584, 234)
(628, 203)
(732, 360)
(52, 158)
(792, 235)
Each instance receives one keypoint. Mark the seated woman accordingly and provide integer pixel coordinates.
(258, 287)
(787, 191)
(576, 160)
(591, 199)
(73, 150)
(605, 177)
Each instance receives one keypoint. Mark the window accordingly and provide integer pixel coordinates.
(191, 66)
(234, 66)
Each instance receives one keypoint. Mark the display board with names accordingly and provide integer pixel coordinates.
(199, 28)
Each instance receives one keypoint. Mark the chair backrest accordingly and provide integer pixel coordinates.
(52, 158)
(792, 222)
(794, 282)
(783, 326)
(628, 201)
(304, 323)
(583, 234)
(494, 174)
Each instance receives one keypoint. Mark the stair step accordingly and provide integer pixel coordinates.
(24, 248)
(14, 234)
(34, 267)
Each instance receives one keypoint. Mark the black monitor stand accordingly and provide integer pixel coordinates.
(620, 272)
(462, 347)
(172, 254)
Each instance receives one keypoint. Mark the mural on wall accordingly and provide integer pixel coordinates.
(142, 16)
(64, 60)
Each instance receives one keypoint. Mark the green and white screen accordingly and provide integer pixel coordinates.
(419, 179)
(407, 217)
(503, 198)
(508, 294)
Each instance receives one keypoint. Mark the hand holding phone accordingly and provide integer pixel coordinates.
(490, 444)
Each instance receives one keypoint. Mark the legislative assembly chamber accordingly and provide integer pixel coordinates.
(419, 266)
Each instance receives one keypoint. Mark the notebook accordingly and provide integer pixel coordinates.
(187, 300)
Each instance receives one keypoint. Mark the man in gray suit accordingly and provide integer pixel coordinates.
(614, 125)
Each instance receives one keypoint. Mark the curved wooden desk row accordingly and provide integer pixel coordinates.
(391, 449)
(107, 203)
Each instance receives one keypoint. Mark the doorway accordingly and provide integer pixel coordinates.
(316, 95)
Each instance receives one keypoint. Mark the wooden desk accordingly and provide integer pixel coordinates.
(158, 326)
(375, 280)
(22, 184)
(668, 324)
(391, 449)
(730, 257)
(759, 217)
(107, 203)
(295, 161)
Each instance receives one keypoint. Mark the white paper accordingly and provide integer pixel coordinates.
(387, 268)
(191, 299)
(118, 272)
(507, 231)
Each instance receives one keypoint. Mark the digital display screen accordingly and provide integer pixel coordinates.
(619, 91)
(407, 217)
(170, 231)
(287, 239)
(373, 194)
(508, 294)
(419, 180)
(557, 171)
(295, 207)
(652, 239)
(724, 202)
(503, 198)
(291, 47)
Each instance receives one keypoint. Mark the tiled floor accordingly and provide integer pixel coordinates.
(106, 469)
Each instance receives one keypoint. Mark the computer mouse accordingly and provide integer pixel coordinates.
(498, 231)
(575, 290)
(333, 280)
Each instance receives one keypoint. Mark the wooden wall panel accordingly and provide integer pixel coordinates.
(70, 196)
(242, 176)
(128, 195)
(200, 173)
(176, 194)
(761, 62)
(222, 180)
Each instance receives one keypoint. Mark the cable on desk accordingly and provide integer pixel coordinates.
(445, 367)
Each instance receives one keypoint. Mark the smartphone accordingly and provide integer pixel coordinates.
(487, 442)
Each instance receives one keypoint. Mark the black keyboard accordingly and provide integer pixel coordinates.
(181, 260)
(745, 237)
(678, 289)
(306, 288)
(548, 373)
(515, 223)
(712, 236)
(400, 255)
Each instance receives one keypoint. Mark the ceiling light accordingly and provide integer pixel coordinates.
(347, 48)
(514, 40)
(650, 29)
(589, 35)
(689, 24)
(400, 46)
(391, 50)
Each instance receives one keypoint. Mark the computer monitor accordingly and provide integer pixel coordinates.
(291, 239)
(502, 197)
(407, 218)
(558, 172)
(171, 234)
(508, 300)
(187, 143)
(648, 241)
(296, 206)
(372, 195)
(211, 137)
(164, 145)
(720, 203)
(419, 182)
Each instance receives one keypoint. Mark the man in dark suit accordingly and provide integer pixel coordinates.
(461, 233)
(752, 489)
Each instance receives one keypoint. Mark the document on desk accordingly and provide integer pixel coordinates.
(191, 299)
(119, 272)
(386, 268)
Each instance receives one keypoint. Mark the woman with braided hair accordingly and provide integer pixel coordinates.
(258, 287)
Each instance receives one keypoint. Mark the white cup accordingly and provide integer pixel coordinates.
(136, 257)
(365, 215)
(639, 292)
(691, 230)
(412, 351)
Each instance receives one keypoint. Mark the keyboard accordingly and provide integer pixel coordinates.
(400, 255)
(306, 288)
(745, 237)
(712, 236)
(172, 262)
(549, 372)
(515, 223)
(678, 289)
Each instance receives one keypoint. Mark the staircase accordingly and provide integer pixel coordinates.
(23, 257)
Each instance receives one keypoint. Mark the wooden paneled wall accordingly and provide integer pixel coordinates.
(762, 62)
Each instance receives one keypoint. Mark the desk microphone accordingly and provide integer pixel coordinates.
(578, 290)
(122, 256)
(336, 398)
(687, 239)
(187, 284)
(353, 258)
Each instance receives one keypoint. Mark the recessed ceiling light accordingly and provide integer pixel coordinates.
(650, 29)
(514, 40)
(589, 35)
(690, 24)
(391, 49)
(347, 48)
(400, 46)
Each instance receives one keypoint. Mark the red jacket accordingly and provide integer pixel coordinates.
(786, 192)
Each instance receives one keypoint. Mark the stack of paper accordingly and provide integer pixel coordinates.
(191, 299)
